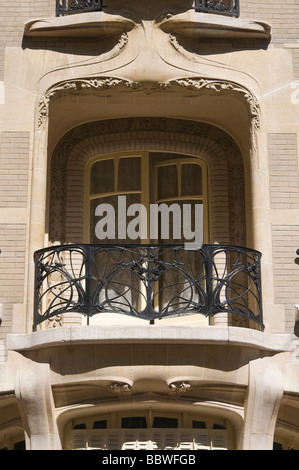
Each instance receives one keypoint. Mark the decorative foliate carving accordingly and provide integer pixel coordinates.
(179, 388)
(196, 84)
(120, 388)
(221, 86)
(78, 86)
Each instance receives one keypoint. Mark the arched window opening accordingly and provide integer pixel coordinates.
(147, 430)
(16, 442)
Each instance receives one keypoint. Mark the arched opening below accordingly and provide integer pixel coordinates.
(148, 429)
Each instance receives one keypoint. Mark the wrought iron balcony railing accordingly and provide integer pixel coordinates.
(224, 7)
(147, 281)
(67, 7)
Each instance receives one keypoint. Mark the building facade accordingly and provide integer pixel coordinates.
(149, 222)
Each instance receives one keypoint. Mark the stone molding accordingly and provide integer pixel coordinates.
(200, 335)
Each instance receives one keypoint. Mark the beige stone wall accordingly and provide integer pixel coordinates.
(12, 19)
(14, 167)
(12, 269)
(14, 161)
(286, 271)
(283, 170)
(284, 201)
(283, 16)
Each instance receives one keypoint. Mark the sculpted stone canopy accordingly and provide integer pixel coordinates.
(169, 20)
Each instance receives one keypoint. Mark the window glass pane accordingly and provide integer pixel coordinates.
(198, 424)
(167, 182)
(108, 225)
(100, 424)
(277, 446)
(181, 222)
(80, 426)
(129, 174)
(19, 446)
(134, 422)
(218, 426)
(102, 177)
(163, 422)
(191, 180)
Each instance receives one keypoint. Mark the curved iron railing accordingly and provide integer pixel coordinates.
(147, 281)
(223, 7)
(68, 7)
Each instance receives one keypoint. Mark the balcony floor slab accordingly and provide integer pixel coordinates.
(75, 335)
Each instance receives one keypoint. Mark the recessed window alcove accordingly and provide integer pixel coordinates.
(158, 160)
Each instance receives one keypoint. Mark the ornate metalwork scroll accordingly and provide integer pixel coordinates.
(224, 7)
(147, 282)
(67, 7)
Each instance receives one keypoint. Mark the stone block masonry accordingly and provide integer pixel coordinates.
(12, 272)
(12, 25)
(14, 151)
(283, 171)
(286, 271)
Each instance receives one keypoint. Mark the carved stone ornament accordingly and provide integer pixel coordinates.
(120, 388)
(221, 86)
(196, 84)
(178, 388)
(78, 86)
